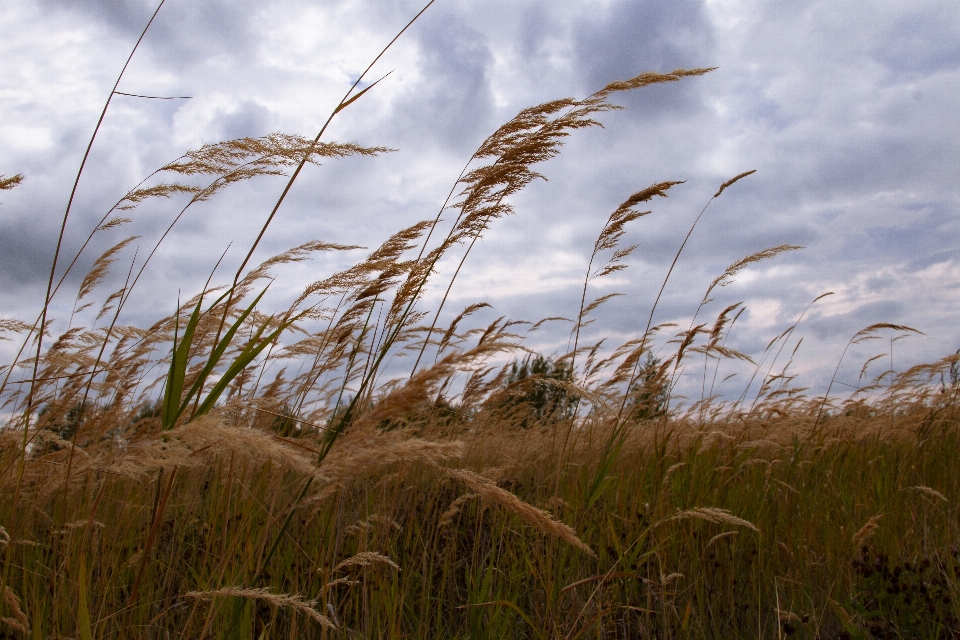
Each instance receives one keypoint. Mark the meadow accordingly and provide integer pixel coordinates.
(230, 472)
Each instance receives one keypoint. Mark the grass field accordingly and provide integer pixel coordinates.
(175, 481)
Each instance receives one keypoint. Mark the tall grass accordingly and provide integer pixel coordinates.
(176, 481)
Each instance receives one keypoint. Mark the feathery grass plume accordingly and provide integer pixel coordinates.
(108, 305)
(670, 470)
(365, 559)
(534, 135)
(242, 159)
(667, 579)
(933, 493)
(719, 351)
(666, 279)
(720, 536)
(114, 222)
(732, 180)
(609, 239)
(711, 514)
(209, 436)
(722, 321)
(538, 518)
(451, 329)
(685, 339)
(867, 333)
(13, 325)
(782, 338)
(446, 518)
(291, 256)
(138, 195)
(19, 621)
(362, 559)
(650, 78)
(9, 182)
(281, 600)
(230, 162)
(626, 361)
(788, 616)
(364, 450)
(101, 266)
(47, 436)
(867, 530)
(867, 362)
(727, 277)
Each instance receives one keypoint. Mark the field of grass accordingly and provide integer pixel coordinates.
(177, 481)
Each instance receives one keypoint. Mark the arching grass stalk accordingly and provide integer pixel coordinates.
(618, 434)
(531, 137)
(866, 333)
(28, 408)
(783, 343)
(346, 101)
(608, 239)
(63, 227)
(666, 279)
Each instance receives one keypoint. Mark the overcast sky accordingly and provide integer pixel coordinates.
(847, 110)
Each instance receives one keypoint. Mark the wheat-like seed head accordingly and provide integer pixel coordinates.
(867, 530)
(721, 536)
(933, 493)
(101, 266)
(10, 182)
(364, 559)
(670, 470)
(712, 514)
(538, 518)
(19, 620)
(282, 600)
(454, 509)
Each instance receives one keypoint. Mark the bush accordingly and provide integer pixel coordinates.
(538, 390)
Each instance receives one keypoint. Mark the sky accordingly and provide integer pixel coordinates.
(846, 110)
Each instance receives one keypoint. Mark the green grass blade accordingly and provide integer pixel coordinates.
(252, 350)
(218, 351)
(178, 369)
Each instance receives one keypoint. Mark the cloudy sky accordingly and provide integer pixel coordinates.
(847, 110)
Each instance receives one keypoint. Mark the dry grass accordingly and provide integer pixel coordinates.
(295, 603)
(176, 481)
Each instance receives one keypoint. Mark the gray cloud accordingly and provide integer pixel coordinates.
(183, 34)
(847, 112)
(628, 37)
(452, 103)
(247, 119)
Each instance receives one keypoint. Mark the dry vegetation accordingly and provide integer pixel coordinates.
(176, 481)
